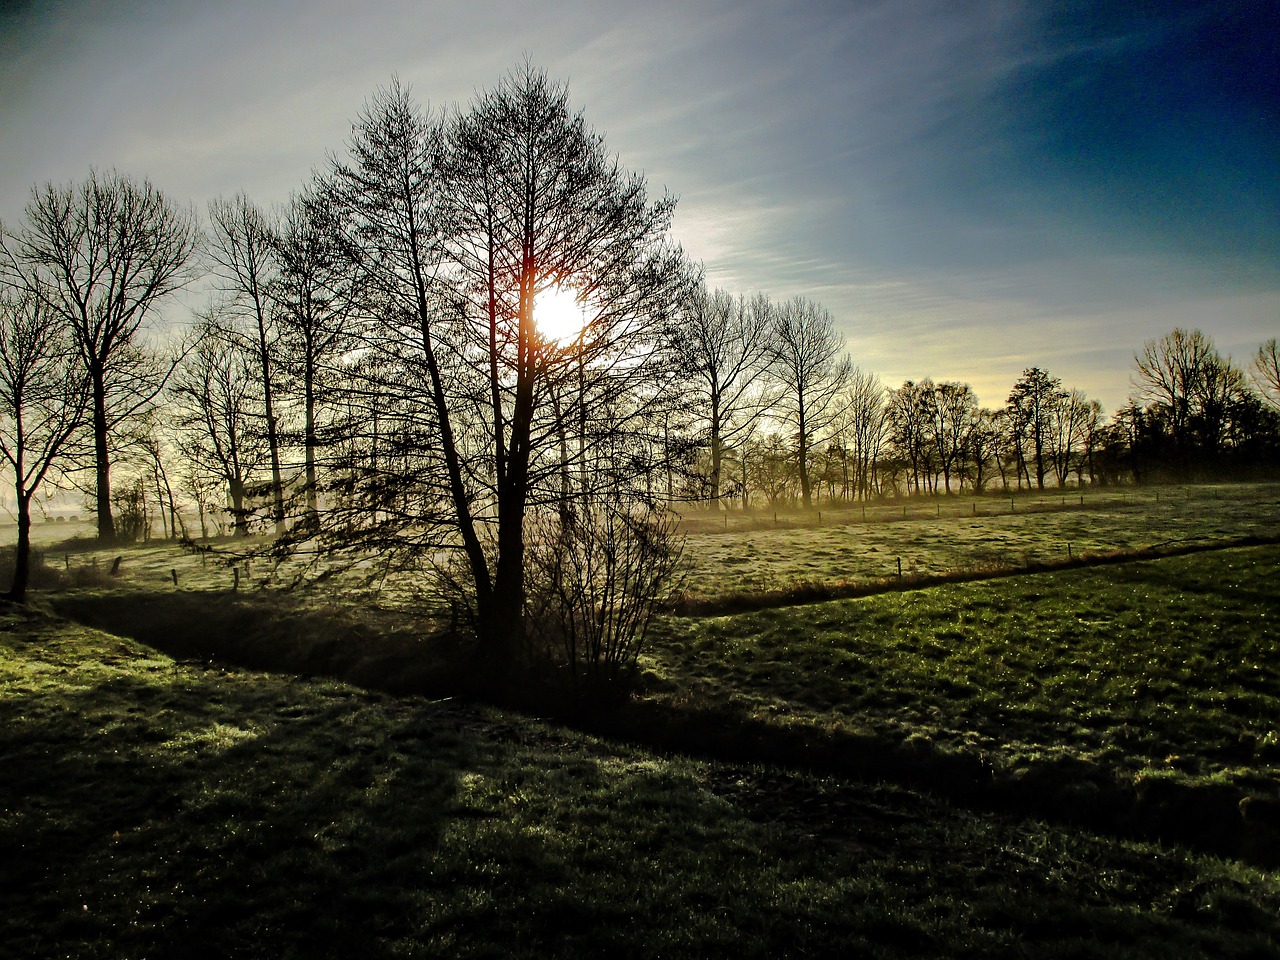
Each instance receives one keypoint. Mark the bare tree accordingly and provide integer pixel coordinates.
(982, 449)
(242, 248)
(911, 411)
(458, 227)
(806, 361)
(1068, 430)
(1170, 374)
(723, 347)
(216, 390)
(955, 412)
(1265, 371)
(101, 255)
(862, 431)
(1093, 437)
(44, 399)
(313, 297)
(1031, 404)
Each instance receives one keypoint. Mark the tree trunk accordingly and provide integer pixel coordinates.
(239, 523)
(806, 490)
(717, 453)
(102, 463)
(22, 553)
(309, 438)
(273, 432)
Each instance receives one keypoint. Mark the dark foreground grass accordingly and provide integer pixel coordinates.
(150, 808)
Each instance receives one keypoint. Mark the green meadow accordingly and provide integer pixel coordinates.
(1079, 762)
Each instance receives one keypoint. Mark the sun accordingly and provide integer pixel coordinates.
(558, 314)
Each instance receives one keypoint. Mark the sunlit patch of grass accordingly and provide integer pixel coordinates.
(801, 551)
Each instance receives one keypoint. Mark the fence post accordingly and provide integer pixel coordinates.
(899, 568)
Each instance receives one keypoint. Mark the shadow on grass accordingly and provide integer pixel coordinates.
(1206, 817)
(259, 633)
(274, 632)
(200, 813)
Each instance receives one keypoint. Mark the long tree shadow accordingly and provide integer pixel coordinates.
(198, 812)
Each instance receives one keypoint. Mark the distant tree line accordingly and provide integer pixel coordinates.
(367, 377)
(783, 417)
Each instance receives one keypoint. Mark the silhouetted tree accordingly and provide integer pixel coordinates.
(1067, 429)
(44, 399)
(806, 361)
(457, 228)
(1265, 370)
(858, 434)
(723, 348)
(955, 412)
(101, 254)
(242, 249)
(911, 414)
(314, 300)
(1170, 373)
(1031, 404)
(215, 391)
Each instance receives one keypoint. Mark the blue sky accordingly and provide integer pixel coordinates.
(970, 186)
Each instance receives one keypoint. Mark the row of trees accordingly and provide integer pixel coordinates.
(369, 375)
(783, 415)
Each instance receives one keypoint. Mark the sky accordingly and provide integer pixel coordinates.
(971, 187)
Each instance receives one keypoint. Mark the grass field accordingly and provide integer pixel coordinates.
(1074, 763)
(751, 553)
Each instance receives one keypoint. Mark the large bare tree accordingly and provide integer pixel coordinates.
(101, 255)
(216, 392)
(459, 225)
(313, 299)
(1170, 374)
(723, 347)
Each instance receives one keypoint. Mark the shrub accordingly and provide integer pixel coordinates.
(593, 585)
